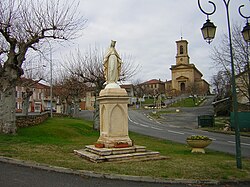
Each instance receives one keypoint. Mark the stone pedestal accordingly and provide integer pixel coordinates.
(115, 144)
(114, 117)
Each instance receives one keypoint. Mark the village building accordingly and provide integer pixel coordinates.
(39, 99)
(153, 87)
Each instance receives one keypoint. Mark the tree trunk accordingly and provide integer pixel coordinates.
(76, 108)
(26, 99)
(69, 111)
(1, 110)
(64, 108)
(8, 111)
(96, 117)
(25, 106)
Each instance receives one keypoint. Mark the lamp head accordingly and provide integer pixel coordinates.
(208, 31)
(246, 32)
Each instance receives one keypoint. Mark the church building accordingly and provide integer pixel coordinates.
(186, 78)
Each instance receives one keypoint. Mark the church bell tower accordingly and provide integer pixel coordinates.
(182, 52)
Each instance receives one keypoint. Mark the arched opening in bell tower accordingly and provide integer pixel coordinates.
(181, 50)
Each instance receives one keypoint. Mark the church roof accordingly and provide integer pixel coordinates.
(185, 66)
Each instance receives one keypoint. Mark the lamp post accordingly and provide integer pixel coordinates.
(51, 80)
(208, 31)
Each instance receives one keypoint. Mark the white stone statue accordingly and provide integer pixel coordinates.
(112, 65)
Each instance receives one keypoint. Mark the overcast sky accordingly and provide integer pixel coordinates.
(148, 29)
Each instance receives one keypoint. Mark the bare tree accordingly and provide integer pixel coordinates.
(76, 91)
(138, 88)
(221, 57)
(88, 66)
(25, 25)
(61, 92)
(139, 91)
(69, 89)
(221, 84)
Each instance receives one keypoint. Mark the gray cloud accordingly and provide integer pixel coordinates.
(148, 29)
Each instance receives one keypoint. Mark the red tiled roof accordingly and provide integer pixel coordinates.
(153, 81)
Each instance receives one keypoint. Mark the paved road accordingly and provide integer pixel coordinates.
(188, 116)
(20, 176)
(13, 175)
(138, 122)
(178, 126)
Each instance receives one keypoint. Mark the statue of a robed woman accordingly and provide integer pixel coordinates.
(112, 64)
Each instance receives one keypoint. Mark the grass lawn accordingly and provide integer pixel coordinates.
(53, 143)
(157, 113)
(187, 102)
(148, 101)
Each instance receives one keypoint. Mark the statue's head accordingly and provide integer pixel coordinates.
(112, 43)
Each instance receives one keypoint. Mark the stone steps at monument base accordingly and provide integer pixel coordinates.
(114, 151)
(137, 156)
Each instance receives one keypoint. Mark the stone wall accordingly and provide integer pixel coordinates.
(244, 107)
(59, 115)
(31, 120)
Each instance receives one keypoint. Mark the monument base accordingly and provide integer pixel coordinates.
(114, 117)
(133, 153)
(114, 142)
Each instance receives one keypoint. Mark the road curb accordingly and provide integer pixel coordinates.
(104, 175)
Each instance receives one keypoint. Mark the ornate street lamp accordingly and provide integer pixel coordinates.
(246, 30)
(208, 31)
(211, 29)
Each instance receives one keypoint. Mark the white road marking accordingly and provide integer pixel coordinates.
(247, 144)
(143, 125)
(174, 126)
(156, 128)
(176, 132)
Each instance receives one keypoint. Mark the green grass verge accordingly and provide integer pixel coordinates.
(148, 102)
(219, 126)
(53, 143)
(187, 102)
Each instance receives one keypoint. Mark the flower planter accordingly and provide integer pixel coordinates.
(198, 145)
(121, 145)
(99, 145)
